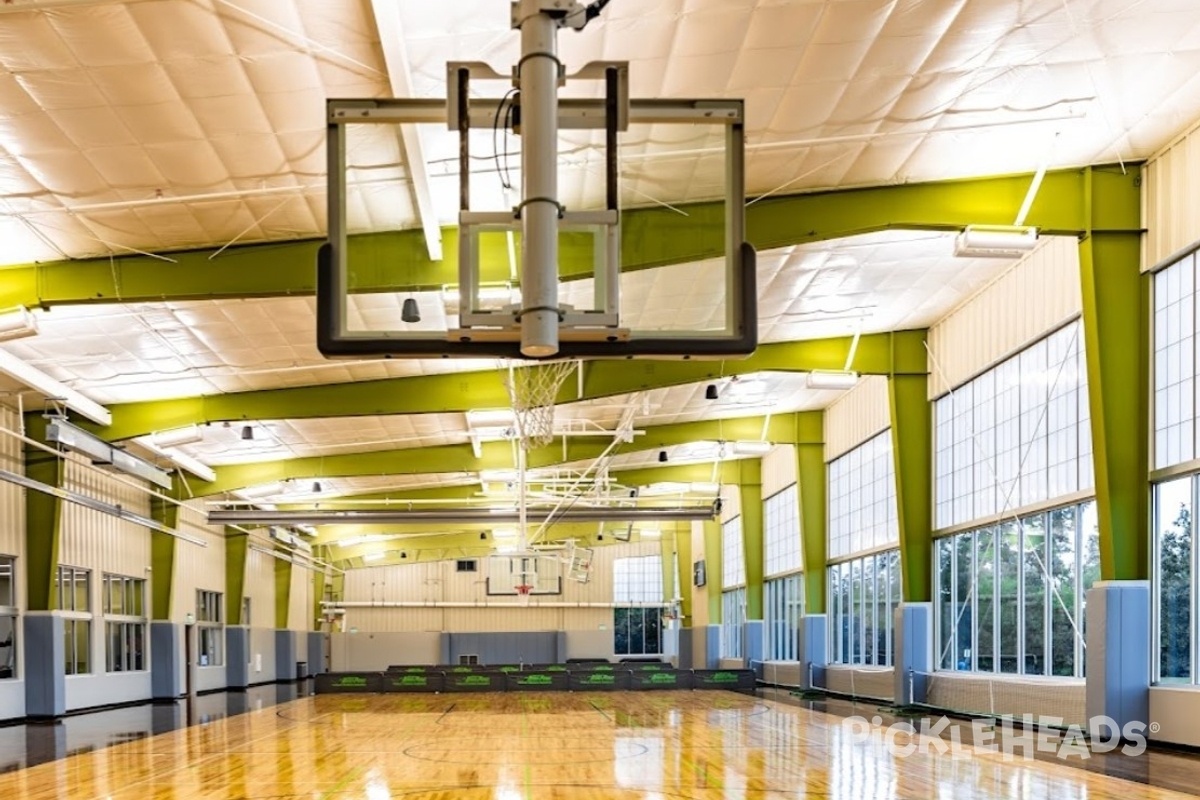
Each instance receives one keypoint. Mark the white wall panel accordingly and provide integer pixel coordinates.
(1171, 199)
(1038, 294)
(97, 541)
(856, 416)
(437, 581)
(260, 588)
(699, 593)
(300, 600)
(778, 469)
(731, 502)
(196, 567)
(12, 497)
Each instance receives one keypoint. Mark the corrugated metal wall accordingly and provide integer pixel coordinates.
(100, 542)
(435, 581)
(1038, 294)
(856, 416)
(778, 469)
(731, 502)
(196, 567)
(1171, 199)
(12, 497)
(260, 588)
(300, 600)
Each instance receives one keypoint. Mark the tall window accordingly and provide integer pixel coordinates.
(1016, 435)
(863, 594)
(125, 623)
(1175, 368)
(783, 593)
(1011, 596)
(733, 621)
(862, 499)
(1175, 562)
(733, 588)
(73, 586)
(209, 618)
(637, 627)
(8, 617)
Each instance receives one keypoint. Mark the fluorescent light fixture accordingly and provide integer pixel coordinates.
(374, 556)
(752, 448)
(497, 475)
(995, 241)
(77, 440)
(491, 418)
(713, 489)
(504, 533)
(493, 297)
(183, 461)
(262, 490)
(831, 379)
(178, 437)
(364, 539)
(39, 381)
(506, 548)
(664, 488)
(651, 533)
(17, 324)
(307, 530)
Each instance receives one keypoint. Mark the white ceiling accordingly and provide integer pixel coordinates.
(161, 125)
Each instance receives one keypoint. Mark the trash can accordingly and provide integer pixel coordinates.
(301, 670)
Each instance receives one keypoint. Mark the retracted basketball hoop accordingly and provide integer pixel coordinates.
(523, 593)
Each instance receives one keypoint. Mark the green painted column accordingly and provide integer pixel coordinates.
(912, 454)
(752, 546)
(318, 595)
(1116, 336)
(43, 525)
(237, 548)
(283, 592)
(812, 479)
(683, 546)
(162, 557)
(712, 567)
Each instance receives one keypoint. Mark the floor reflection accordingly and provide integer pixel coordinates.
(30, 744)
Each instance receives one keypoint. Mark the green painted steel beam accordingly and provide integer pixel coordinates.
(683, 546)
(802, 426)
(162, 557)
(237, 551)
(912, 455)
(712, 569)
(43, 522)
(397, 261)
(752, 545)
(812, 488)
(1116, 335)
(283, 592)
(877, 354)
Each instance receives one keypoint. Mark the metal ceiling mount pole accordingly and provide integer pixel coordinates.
(537, 75)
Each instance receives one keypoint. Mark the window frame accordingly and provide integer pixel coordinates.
(210, 624)
(127, 625)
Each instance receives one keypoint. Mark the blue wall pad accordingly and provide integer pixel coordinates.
(712, 647)
(349, 683)
(737, 680)
(811, 635)
(660, 679)
(316, 652)
(536, 682)
(237, 657)
(45, 681)
(403, 682)
(285, 656)
(166, 648)
(914, 650)
(1119, 651)
(686, 641)
(753, 639)
(475, 682)
(597, 681)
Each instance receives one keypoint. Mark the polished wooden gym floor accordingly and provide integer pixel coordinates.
(651, 745)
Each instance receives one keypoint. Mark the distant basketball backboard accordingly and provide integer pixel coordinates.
(632, 175)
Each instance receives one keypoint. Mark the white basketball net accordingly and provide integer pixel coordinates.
(532, 390)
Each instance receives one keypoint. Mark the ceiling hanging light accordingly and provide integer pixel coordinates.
(410, 312)
(247, 433)
(316, 489)
(711, 392)
(17, 324)
(662, 456)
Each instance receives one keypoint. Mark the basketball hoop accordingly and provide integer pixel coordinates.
(533, 390)
(523, 592)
